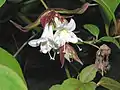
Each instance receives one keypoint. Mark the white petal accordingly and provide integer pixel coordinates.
(45, 31)
(72, 38)
(34, 43)
(50, 32)
(71, 25)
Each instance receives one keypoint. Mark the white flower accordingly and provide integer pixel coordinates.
(64, 33)
(45, 42)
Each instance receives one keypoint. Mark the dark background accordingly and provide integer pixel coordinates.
(40, 72)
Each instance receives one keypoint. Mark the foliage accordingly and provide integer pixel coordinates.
(85, 81)
(107, 11)
(10, 72)
(52, 19)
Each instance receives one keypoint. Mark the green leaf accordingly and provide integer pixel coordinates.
(55, 87)
(92, 29)
(9, 61)
(107, 10)
(110, 39)
(2, 2)
(70, 84)
(90, 85)
(10, 80)
(109, 83)
(88, 73)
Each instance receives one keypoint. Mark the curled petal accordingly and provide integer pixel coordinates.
(71, 25)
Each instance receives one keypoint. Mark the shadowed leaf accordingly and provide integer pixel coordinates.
(109, 83)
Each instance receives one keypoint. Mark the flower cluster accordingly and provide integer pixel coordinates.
(57, 35)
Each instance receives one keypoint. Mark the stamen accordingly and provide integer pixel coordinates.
(51, 58)
(54, 55)
(78, 48)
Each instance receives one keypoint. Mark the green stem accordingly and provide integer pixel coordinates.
(89, 43)
(44, 4)
(67, 72)
(92, 45)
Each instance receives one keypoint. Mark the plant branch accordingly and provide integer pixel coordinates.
(44, 4)
(28, 21)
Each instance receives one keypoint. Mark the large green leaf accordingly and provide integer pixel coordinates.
(94, 30)
(109, 83)
(2, 2)
(9, 61)
(110, 39)
(55, 87)
(70, 84)
(88, 73)
(108, 8)
(89, 85)
(10, 80)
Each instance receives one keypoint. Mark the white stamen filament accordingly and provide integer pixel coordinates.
(51, 58)
(54, 55)
(78, 48)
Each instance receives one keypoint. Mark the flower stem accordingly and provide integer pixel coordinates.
(44, 4)
(67, 72)
(18, 51)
